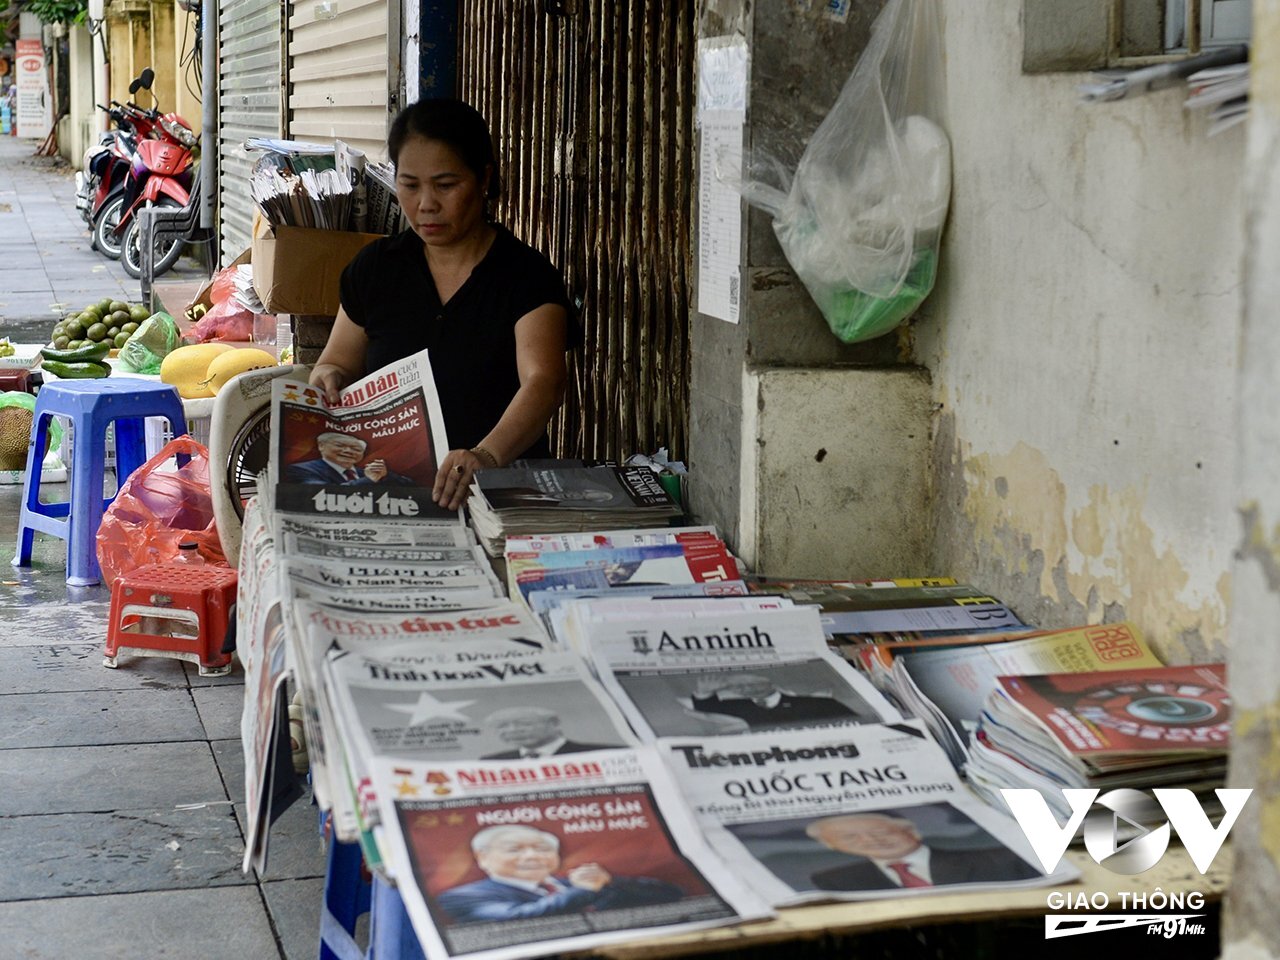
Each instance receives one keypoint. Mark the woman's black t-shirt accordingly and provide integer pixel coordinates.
(389, 291)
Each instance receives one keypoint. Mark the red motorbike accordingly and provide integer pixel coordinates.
(161, 176)
(100, 188)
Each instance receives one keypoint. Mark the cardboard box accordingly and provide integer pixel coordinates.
(296, 269)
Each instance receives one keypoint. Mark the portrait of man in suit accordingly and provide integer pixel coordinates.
(889, 852)
(533, 732)
(522, 880)
(339, 464)
(758, 703)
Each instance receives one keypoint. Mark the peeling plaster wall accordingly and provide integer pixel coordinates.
(1083, 344)
(1252, 928)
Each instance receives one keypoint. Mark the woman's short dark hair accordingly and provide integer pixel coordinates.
(453, 122)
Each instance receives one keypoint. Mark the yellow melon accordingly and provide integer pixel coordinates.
(185, 368)
(234, 362)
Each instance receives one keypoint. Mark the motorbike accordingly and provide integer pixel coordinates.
(160, 174)
(100, 185)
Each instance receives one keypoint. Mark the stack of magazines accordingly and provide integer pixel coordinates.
(565, 499)
(1158, 726)
(946, 681)
(858, 613)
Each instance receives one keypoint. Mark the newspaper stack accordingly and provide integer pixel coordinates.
(1224, 91)
(946, 682)
(355, 552)
(431, 685)
(857, 613)
(848, 813)
(536, 500)
(1161, 726)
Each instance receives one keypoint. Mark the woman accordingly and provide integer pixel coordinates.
(491, 310)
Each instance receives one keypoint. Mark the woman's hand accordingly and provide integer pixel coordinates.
(453, 482)
(330, 378)
(341, 362)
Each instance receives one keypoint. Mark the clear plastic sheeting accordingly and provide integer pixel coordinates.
(861, 219)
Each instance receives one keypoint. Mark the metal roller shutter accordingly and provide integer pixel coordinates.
(344, 58)
(249, 105)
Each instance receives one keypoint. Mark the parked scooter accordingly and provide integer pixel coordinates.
(100, 187)
(160, 175)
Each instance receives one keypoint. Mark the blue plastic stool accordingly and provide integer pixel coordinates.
(346, 897)
(90, 405)
(391, 935)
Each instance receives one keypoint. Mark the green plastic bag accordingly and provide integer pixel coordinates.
(154, 340)
(16, 398)
(853, 315)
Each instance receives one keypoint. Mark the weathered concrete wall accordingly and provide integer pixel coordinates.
(837, 458)
(859, 509)
(1083, 343)
(1253, 925)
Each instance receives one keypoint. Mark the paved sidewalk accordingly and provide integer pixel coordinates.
(121, 814)
(47, 268)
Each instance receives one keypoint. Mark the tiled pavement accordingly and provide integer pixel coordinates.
(121, 810)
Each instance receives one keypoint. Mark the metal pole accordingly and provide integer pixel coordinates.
(209, 120)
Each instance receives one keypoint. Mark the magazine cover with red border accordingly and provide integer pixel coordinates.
(1152, 710)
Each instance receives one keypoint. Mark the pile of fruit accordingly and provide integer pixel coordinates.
(81, 341)
(108, 321)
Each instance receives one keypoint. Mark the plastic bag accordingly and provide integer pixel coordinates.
(154, 340)
(223, 286)
(228, 320)
(861, 220)
(159, 508)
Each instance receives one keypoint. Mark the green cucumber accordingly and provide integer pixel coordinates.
(88, 352)
(83, 370)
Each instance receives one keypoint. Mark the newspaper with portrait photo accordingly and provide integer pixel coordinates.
(316, 629)
(375, 456)
(738, 672)
(466, 700)
(522, 858)
(849, 813)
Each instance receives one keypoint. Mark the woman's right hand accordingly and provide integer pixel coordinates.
(330, 378)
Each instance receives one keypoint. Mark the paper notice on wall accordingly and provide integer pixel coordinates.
(35, 105)
(722, 105)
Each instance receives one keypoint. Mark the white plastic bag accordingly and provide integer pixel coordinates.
(861, 221)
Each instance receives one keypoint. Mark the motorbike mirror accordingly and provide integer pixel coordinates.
(147, 77)
(135, 85)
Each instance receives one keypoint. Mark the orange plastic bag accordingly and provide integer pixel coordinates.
(157, 509)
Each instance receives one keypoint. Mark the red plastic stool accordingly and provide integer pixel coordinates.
(175, 610)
